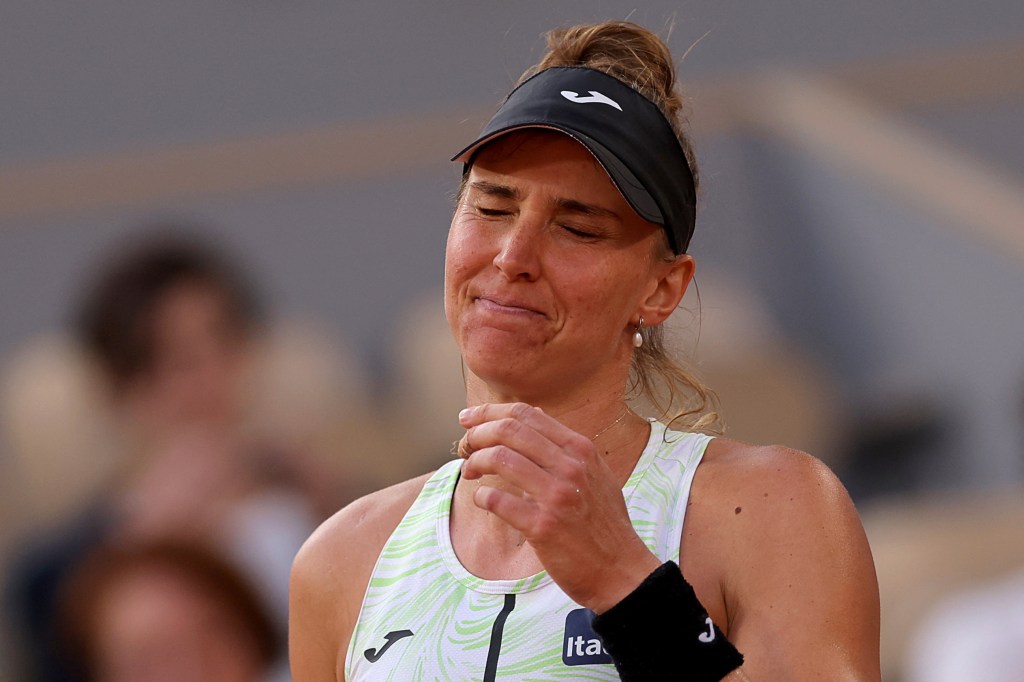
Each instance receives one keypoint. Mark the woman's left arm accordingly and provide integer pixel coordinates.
(794, 569)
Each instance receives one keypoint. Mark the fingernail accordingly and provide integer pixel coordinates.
(465, 413)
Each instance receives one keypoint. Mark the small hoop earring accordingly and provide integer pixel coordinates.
(638, 339)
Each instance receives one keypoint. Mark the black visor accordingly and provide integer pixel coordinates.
(625, 132)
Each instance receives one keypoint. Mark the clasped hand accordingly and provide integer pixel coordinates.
(561, 495)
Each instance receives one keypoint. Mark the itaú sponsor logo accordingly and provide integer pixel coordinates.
(581, 645)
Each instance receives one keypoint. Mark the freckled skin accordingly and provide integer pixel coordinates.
(584, 291)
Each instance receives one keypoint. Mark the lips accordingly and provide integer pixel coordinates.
(506, 304)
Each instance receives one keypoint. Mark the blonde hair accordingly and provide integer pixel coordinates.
(641, 60)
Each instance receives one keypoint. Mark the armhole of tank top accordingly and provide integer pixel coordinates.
(440, 474)
(694, 460)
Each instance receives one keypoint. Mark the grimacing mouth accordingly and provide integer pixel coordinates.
(507, 303)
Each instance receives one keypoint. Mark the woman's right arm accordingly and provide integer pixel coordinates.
(330, 575)
(315, 621)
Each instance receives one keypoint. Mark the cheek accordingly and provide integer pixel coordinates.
(456, 270)
(603, 301)
(464, 254)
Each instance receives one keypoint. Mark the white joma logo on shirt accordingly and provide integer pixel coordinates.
(595, 97)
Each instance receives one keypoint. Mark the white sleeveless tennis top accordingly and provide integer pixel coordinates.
(425, 617)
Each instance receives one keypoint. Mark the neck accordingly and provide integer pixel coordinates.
(584, 407)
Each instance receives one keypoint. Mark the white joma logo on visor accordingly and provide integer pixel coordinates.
(595, 97)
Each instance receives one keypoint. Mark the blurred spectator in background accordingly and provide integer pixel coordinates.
(171, 612)
(170, 335)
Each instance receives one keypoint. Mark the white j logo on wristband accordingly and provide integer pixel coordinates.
(709, 636)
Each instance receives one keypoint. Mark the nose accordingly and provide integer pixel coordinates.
(518, 257)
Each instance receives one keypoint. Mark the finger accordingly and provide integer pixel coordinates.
(554, 497)
(511, 466)
(510, 508)
(516, 435)
(485, 412)
(535, 417)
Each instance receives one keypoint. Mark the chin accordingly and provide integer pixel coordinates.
(501, 345)
(506, 371)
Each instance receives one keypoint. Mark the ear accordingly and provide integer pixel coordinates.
(671, 283)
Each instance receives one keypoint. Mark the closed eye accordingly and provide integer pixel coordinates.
(492, 212)
(577, 232)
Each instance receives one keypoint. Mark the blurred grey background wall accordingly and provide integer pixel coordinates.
(863, 169)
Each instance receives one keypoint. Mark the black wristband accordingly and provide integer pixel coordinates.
(660, 632)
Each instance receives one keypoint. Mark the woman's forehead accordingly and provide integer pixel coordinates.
(526, 160)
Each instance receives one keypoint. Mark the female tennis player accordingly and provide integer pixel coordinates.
(572, 539)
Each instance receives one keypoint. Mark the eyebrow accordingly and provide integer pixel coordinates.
(494, 189)
(574, 206)
(568, 205)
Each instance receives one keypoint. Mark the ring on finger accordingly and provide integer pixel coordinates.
(464, 448)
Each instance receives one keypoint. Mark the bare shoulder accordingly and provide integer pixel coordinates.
(346, 546)
(749, 499)
(770, 478)
(777, 543)
(331, 572)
